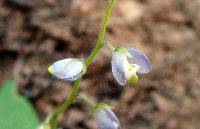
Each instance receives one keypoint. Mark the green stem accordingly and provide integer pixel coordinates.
(100, 43)
(87, 100)
(65, 105)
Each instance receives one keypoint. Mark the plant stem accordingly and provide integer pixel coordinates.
(110, 47)
(54, 119)
(100, 43)
(91, 103)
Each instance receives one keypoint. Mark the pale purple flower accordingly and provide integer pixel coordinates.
(106, 119)
(67, 69)
(126, 63)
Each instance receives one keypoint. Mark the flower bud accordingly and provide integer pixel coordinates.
(67, 69)
(106, 119)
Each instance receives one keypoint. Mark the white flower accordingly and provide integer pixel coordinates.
(126, 63)
(106, 119)
(67, 69)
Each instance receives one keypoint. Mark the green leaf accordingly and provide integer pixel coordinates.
(15, 111)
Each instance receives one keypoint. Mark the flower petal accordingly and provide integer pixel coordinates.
(58, 67)
(106, 119)
(140, 59)
(73, 70)
(118, 67)
(69, 69)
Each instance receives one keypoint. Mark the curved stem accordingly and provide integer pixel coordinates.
(100, 43)
(87, 100)
(54, 119)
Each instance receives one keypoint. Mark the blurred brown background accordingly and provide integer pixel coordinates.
(34, 34)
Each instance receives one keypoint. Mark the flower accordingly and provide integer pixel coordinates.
(67, 69)
(126, 63)
(106, 119)
(102, 113)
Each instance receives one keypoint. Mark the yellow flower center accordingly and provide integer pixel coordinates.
(131, 73)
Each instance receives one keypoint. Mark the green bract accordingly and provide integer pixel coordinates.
(123, 51)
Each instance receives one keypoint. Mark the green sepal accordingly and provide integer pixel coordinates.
(111, 47)
(123, 51)
(102, 106)
(84, 69)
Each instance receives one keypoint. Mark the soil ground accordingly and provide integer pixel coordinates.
(34, 34)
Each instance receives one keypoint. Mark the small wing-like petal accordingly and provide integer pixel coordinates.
(73, 70)
(106, 119)
(57, 68)
(112, 116)
(68, 69)
(118, 68)
(140, 59)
